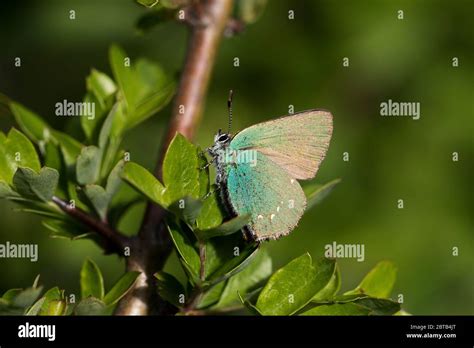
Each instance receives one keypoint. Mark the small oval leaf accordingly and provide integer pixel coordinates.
(92, 282)
(292, 287)
(121, 287)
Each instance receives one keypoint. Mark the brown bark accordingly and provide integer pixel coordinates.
(207, 20)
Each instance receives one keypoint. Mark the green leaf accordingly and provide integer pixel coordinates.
(16, 151)
(6, 309)
(211, 214)
(30, 123)
(6, 191)
(26, 297)
(211, 296)
(402, 312)
(331, 289)
(110, 136)
(92, 282)
(145, 182)
(53, 304)
(186, 251)
(378, 282)
(180, 177)
(90, 125)
(180, 170)
(204, 180)
(40, 212)
(36, 307)
(338, 309)
(114, 180)
(145, 86)
(99, 198)
(222, 250)
(187, 209)
(316, 193)
(88, 165)
(357, 304)
(122, 203)
(379, 306)
(228, 227)
(292, 287)
(70, 147)
(101, 86)
(123, 74)
(66, 229)
(52, 157)
(120, 289)
(252, 309)
(10, 294)
(32, 185)
(259, 269)
(234, 265)
(169, 288)
(157, 89)
(56, 307)
(114, 126)
(90, 306)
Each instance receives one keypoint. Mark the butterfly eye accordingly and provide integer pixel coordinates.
(223, 138)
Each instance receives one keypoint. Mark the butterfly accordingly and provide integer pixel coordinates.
(257, 169)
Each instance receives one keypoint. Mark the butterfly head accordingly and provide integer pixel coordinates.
(221, 141)
(222, 138)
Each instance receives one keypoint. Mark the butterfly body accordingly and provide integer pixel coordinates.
(257, 170)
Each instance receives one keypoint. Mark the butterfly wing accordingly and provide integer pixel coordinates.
(297, 143)
(272, 198)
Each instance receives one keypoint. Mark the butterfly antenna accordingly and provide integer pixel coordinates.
(229, 107)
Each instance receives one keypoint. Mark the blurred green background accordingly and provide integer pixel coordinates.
(289, 62)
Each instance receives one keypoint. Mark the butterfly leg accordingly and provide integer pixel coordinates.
(211, 192)
(206, 166)
(213, 160)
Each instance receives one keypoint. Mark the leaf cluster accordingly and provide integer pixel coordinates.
(55, 302)
(38, 162)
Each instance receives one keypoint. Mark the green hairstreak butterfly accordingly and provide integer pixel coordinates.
(258, 168)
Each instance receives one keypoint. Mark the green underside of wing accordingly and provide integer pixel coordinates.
(266, 192)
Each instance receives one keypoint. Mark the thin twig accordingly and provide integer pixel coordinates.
(114, 239)
(207, 22)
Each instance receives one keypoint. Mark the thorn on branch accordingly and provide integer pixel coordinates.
(195, 16)
(234, 27)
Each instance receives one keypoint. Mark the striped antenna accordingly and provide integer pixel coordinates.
(229, 107)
